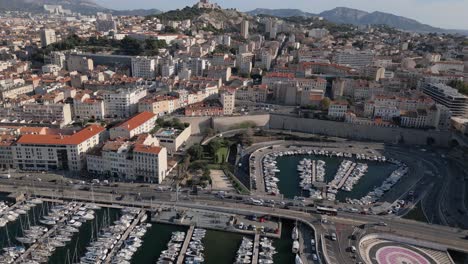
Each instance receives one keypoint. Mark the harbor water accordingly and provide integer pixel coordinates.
(289, 176)
(154, 242)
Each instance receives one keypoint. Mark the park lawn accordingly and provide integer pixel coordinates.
(221, 155)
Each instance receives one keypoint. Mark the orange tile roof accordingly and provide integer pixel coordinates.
(137, 120)
(74, 139)
(147, 149)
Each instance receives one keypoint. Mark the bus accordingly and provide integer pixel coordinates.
(327, 211)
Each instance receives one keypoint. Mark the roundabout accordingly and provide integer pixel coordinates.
(396, 253)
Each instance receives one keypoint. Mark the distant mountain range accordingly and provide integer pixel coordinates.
(81, 6)
(344, 15)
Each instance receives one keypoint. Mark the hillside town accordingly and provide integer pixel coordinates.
(210, 101)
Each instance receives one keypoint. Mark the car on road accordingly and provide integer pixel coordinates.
(314, 257)
(312, 242)
(352, 249)
(382, 224)
(333, 236)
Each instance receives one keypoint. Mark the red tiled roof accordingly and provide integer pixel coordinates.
(136, 121)
(147, 149)
(74, 139)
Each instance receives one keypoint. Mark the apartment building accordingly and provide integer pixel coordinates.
(337, 109)
(172, 138)
(245, 29)
(228, 100)
(6, 151)
(142, 159)
(12, 91)
(55, 114)
(57, 152)
(144, 67)
(449, 97)
(254, 93)
(159, 105)
(87, 107)
(205, 108)
(48, 37)
(123, 103)
(80, 64)
(138, 124)
(354, 58)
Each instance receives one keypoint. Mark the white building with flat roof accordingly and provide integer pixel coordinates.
(144, 67)
(449, 97)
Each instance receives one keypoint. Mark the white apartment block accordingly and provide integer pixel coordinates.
(354, 58)
(142, 159)
(256, 93)
(123, 102)
(80, 64)
(244, 62)
(48, 37)
(56, 152)
(173, 138)
(228, 100)
(144, 67)
(244, 29)
(337, 109)
(387, 113)
(56, 114)
(105, 23)
(57, 58)
(12, 91)
(449, 97)
(139, 124)
(167, 70)
(318, 33)
(88, 108)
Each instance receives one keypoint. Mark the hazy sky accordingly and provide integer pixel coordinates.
(441, 13)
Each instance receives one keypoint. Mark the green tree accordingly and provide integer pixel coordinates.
(215, 145)
(461, 86)
(325, 103)
(131, 46)
(247, 137)
(196, 152)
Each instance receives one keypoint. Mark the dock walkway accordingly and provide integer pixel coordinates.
(314, 173)
(124, 237)
(346, 176)
(181, 257)
(256, 249)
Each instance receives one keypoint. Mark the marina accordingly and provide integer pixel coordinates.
(79, 232)
(322, 174)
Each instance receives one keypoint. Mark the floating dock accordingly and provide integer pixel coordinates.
(345, 177)
(181, 257)
(256, 248)
(124, 237)
(314, 171)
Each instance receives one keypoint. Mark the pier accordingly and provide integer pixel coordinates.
(124, 237)
(314, 171)
(345, 177)
(24, 256)
(256, 248)
(181, 257)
